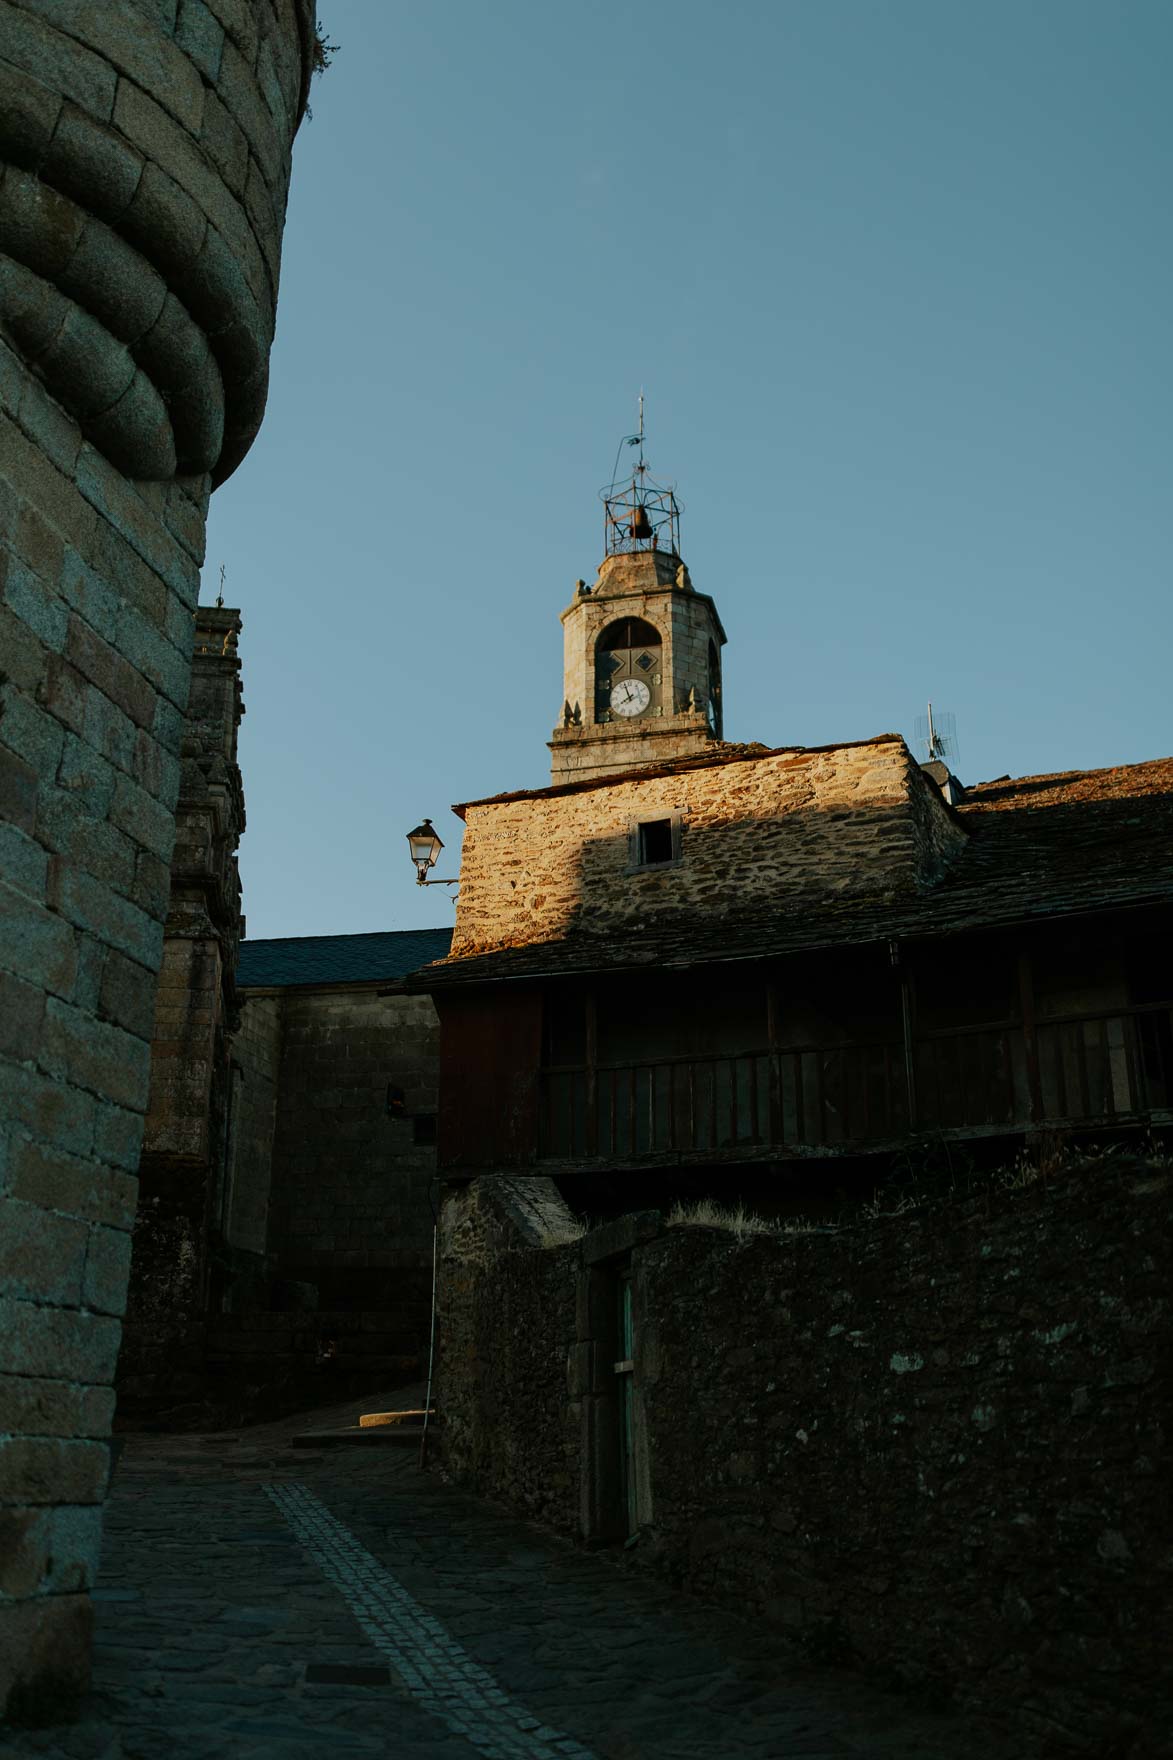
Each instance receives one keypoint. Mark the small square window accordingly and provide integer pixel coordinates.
(423, 1127)
(655, 842)
(645, 662)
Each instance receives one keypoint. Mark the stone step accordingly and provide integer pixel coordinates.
(389, 1434)
(373, 1420)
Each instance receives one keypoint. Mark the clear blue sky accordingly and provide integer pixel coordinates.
(897, 279)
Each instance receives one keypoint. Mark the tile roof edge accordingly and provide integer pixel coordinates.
(448, 973)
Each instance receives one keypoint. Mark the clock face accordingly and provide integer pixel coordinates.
(630, 696)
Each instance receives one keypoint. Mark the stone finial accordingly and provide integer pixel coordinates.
(567, 713)
(577, 716)
(583, 589)
(683, 579)
(693, 705)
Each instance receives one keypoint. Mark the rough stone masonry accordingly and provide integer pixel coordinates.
(791, 825)
(145, 158)
(932, 1442)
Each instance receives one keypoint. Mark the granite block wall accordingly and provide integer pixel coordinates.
(792, 826)
(144, 163)
(262, 1362)
(934, 1446)
(287, 1259)
(349, 1205)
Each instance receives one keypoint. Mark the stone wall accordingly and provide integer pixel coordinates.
(196, 1002)
(294, 1264)
(145, 154)
(349, 1211)
(792, 826)
(263, 1362)
(256, 1055)
(608, 748)
(937, 829)
(933, 1443)
(505, 1323)
(180, 1264)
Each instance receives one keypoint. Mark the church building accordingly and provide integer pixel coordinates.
(686, 968)
(691, 965)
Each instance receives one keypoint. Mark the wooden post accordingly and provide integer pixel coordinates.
(773, 1065)
(907, 1023)
(592, 1081)
(1026, 1001)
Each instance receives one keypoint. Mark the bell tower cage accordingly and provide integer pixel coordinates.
(638, 512)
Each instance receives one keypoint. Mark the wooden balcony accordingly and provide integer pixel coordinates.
(1066, 1071)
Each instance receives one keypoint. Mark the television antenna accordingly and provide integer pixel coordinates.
(936, 735)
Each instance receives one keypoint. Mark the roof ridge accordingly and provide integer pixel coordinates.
(1066, 775)
(346, 935)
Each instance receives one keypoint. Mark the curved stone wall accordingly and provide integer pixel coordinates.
(144, 164)
(145, 152)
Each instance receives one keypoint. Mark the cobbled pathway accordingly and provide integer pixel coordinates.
(258, 1600)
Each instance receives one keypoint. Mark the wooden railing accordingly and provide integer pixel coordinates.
(1084, 1068)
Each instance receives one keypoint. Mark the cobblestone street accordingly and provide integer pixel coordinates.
(261, 1600)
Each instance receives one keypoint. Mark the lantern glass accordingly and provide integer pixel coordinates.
(424, 845)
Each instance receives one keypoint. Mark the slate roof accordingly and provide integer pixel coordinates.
(338, 959)
(1039, 846)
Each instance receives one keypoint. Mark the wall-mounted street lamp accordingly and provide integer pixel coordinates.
(425, 846)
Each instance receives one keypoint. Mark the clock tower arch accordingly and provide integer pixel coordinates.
(642, 648)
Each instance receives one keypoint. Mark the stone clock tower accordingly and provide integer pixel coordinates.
(642, 671)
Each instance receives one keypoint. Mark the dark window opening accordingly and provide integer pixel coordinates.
(655, 842)
(629, 632)
(423, 1127)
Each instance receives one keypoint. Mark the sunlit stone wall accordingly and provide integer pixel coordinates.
(793, 827)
